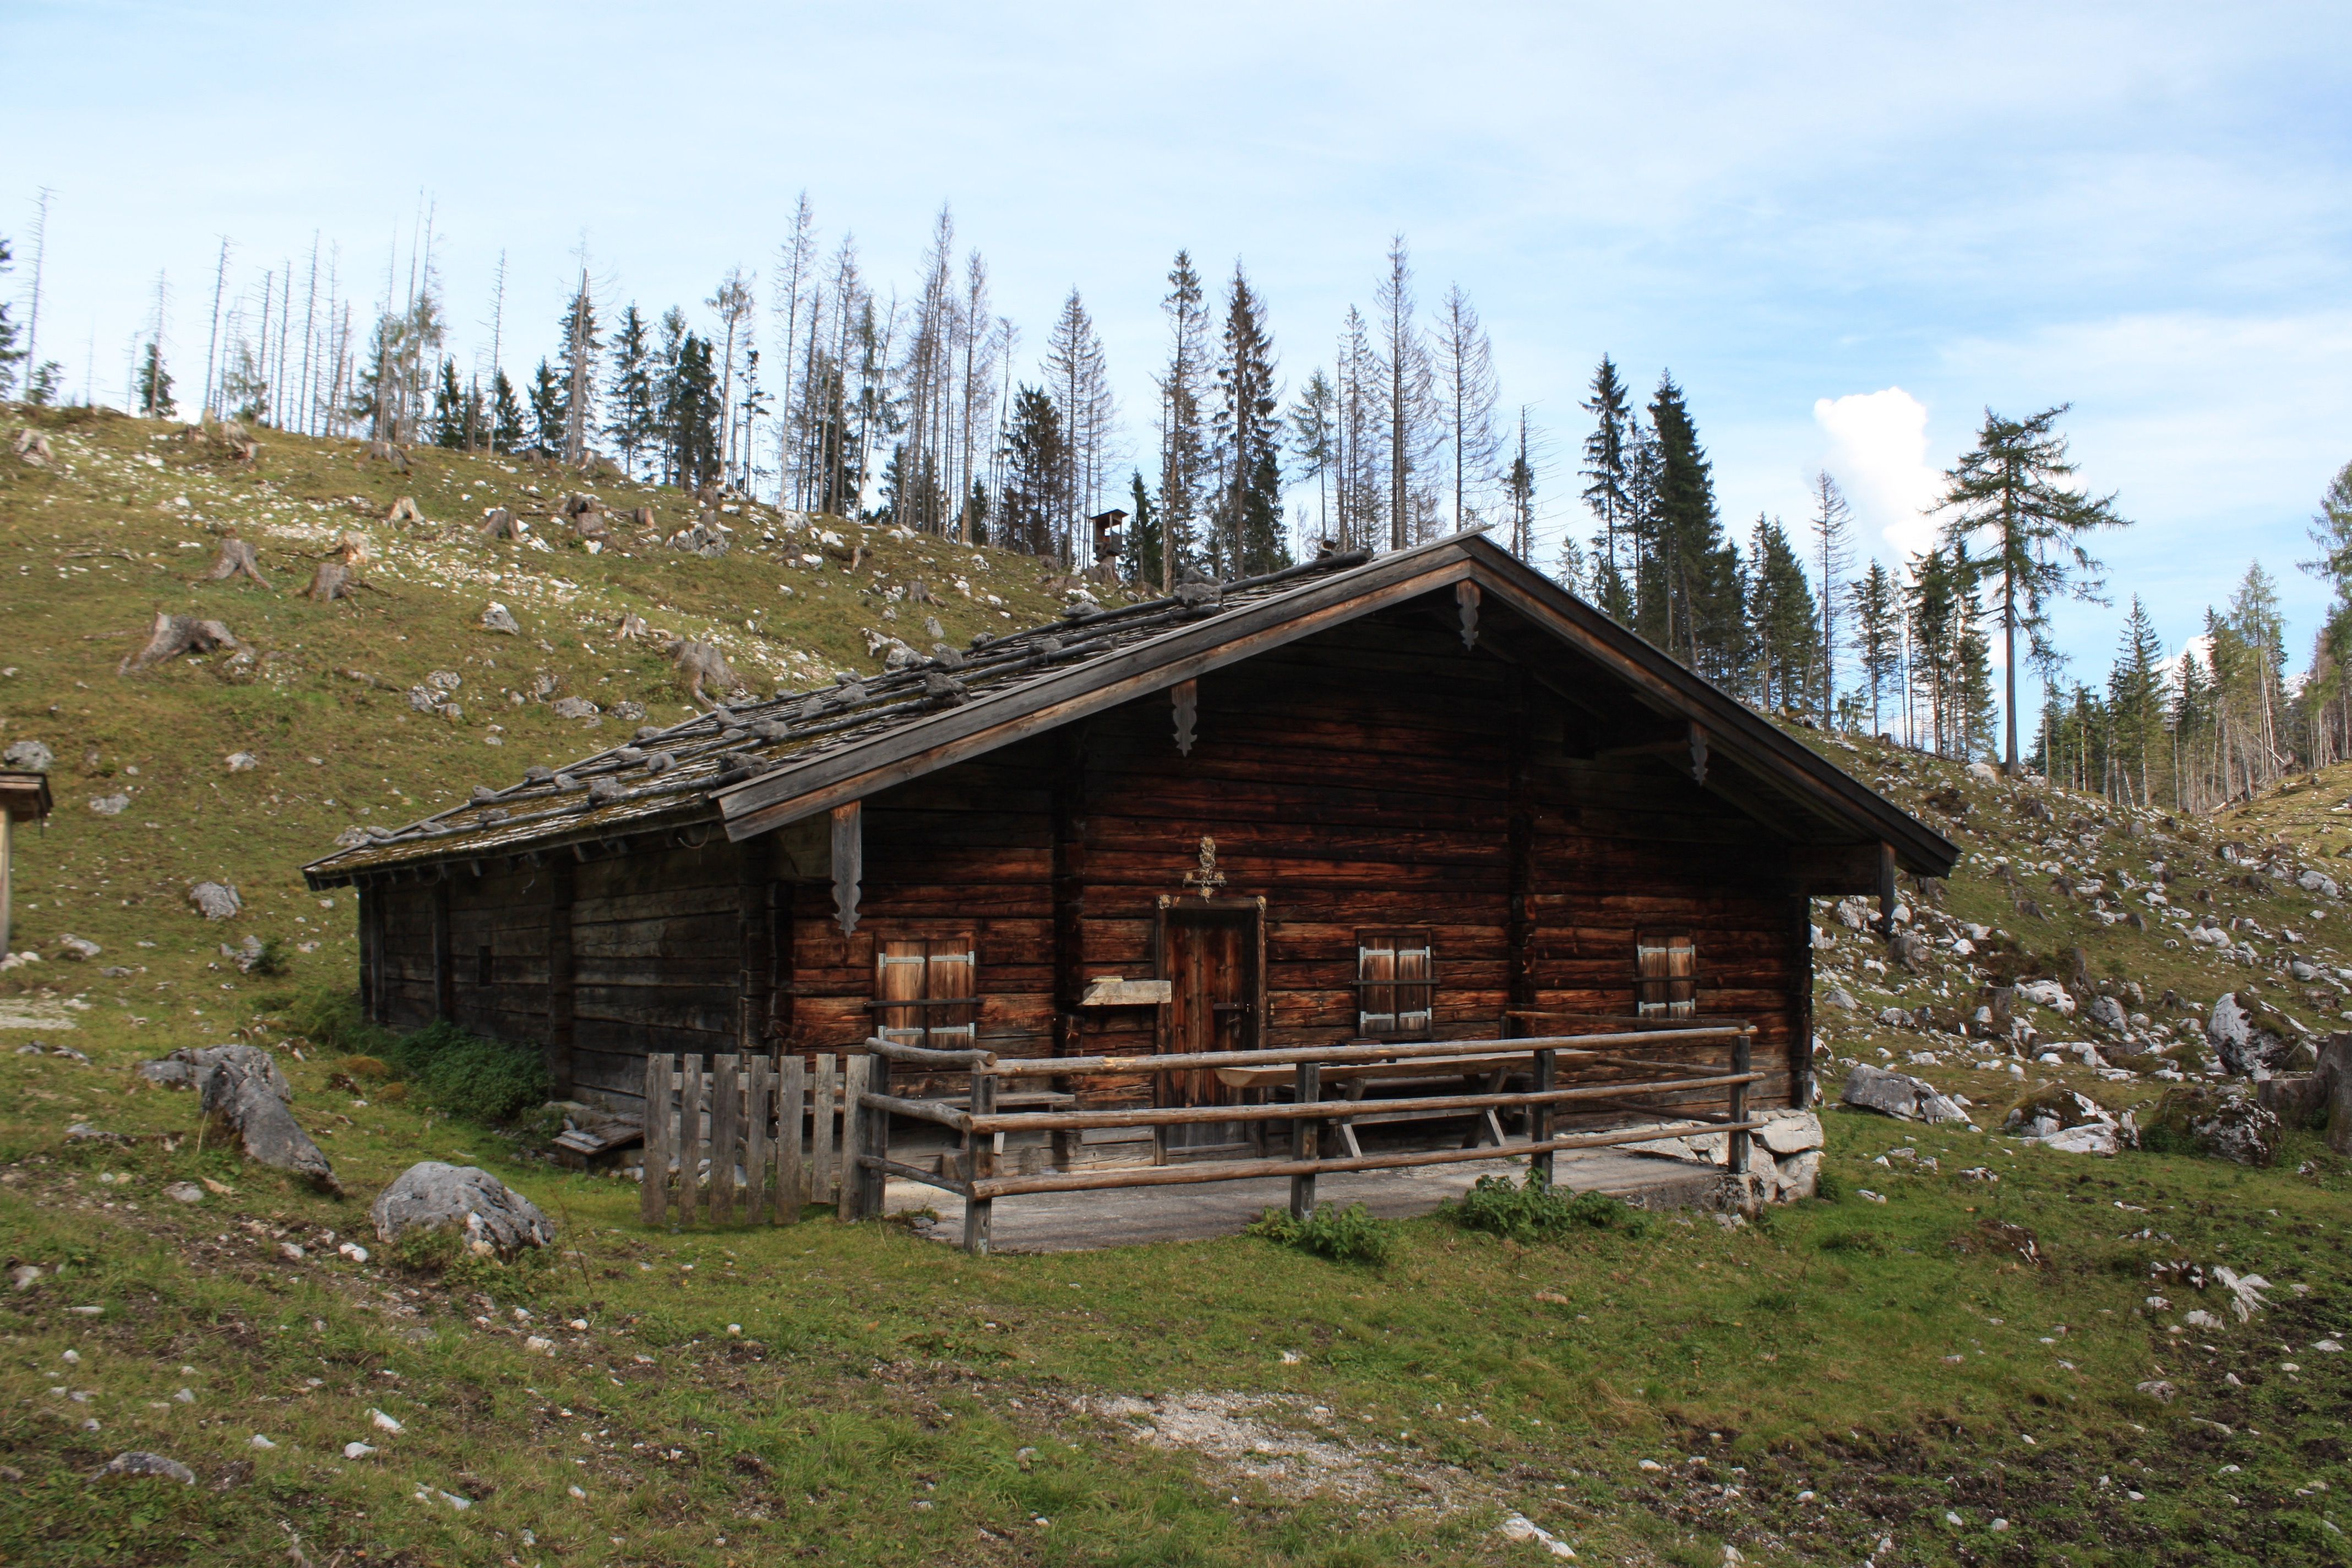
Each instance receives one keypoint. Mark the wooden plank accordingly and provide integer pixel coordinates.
(979, 1164)
(824, 1096)
(559, 997)
(726, 1116)
(654, 1200)
(848, 862)
(792, 1111)
(693, 1138)
(855, 1072)
(444, 979)
(1113, 1178)
(759, 1089)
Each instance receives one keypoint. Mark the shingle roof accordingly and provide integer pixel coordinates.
(668, 776)
(760, 765)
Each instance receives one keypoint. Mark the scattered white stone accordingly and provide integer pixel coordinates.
(185, 1193)
(539, 1344)
(354, 1251)
(358, 1450)
(384, 1422)
(242, 761)
(259, 1441)
(1519, 1527)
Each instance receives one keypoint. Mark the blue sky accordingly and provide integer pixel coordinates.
(1846, 228)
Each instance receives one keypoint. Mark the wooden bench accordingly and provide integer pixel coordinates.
(1483, 1071)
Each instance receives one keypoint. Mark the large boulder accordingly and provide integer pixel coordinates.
(242, 1089)
(139, 1462)
(1896, 1094)
(2221, 1122)
(494, 1219)
(2248, 1032)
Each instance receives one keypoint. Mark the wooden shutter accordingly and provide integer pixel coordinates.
(953, 974)
(1666, 964)
(1396, 979)
(901, 967)
(936, 981)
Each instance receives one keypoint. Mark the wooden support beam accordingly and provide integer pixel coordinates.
(848, 862)
(782, 957)
(979, 1165)
(561, 991)
(445, 976)
(1306, 1142)
(1187, 695)
(1068, 888)
(1885, 889)
(1519, 928)
(754, 948)
(1801, 1003)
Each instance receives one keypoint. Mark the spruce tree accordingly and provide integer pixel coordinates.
(1781, 619)
(2136, 698)
(1878, 633)
(1607, 476)
(1248, 430)
(630, 397)
(506, 416)
(1314, 441)
(1034, 461)
(448, 424)
(1692, 571)
(10, 354)
(2009, 492)
(1183, 395)
(154, 387)
(547, 413)
(1143, 541)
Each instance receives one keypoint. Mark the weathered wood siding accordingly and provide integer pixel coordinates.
(1378, 776)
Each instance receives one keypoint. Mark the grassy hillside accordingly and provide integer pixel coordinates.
(1951, 1375)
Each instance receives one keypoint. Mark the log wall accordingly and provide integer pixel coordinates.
(1377, 775)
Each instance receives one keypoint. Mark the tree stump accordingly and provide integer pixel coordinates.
(404, 510)
(333, 580)
(174, 636)
(385, 452)
(500, 523)
(644, 518)
(632, 628)
(237, 560)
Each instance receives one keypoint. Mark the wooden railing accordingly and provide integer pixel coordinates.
(970, 1171)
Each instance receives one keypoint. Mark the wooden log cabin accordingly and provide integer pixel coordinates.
(1423, 795)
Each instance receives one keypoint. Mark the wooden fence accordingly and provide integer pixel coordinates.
(749, 1139)
(1638, 1085)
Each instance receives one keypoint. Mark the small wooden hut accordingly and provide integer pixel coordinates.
(1425, 795)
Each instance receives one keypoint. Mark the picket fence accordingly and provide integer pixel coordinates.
(749, 1140)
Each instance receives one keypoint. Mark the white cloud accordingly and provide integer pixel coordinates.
(1878, 453)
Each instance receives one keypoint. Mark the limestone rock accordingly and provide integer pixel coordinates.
(2222, 1122)
(28, 756)
(496, 1220)
(2108, 1014)
(498, 618)
(2298, 1100)
(2248, 1032)
(241, 1088)
(575, 707)
(215, 900)
(1896, 1094)
(2317, 882)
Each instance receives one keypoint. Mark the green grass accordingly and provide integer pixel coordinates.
(801, 1390)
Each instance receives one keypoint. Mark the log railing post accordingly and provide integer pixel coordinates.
(1540, 1122)
(979, 1163)
(855, 1072)
(1304, 1142)
(1739, 1058)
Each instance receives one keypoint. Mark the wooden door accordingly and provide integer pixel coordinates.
(1210, 956)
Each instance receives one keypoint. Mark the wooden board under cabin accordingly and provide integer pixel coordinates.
(1375, 778)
